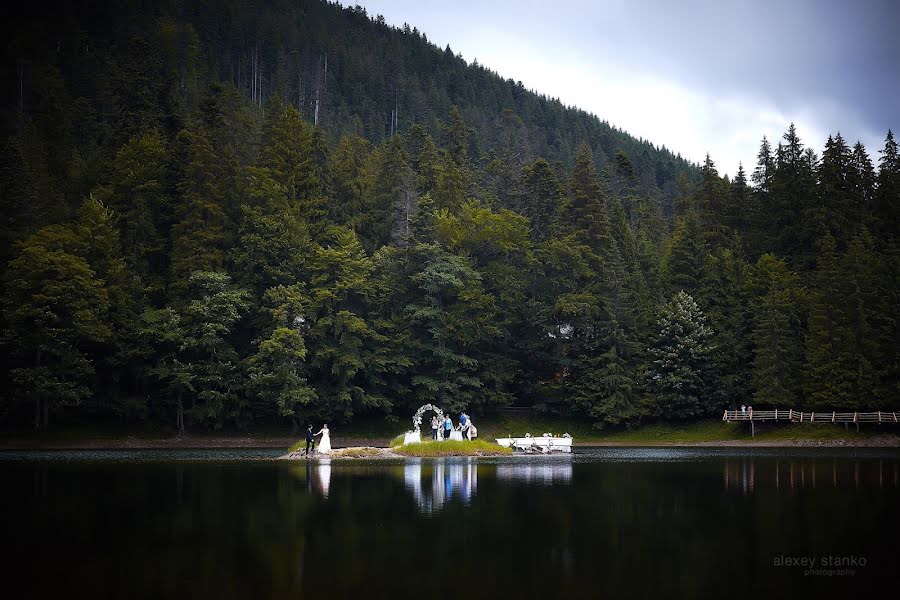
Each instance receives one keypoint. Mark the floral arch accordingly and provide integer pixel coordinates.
(417, 418)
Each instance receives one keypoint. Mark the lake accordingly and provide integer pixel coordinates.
(610, 523)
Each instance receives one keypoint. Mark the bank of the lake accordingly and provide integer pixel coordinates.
(379, 434)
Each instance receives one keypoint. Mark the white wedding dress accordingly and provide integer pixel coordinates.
(325, 442)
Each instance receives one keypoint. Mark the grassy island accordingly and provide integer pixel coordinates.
(452, 448)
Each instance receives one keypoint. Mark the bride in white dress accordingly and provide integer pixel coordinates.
(325, 442)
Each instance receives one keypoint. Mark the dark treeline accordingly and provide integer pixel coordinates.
(203, 227)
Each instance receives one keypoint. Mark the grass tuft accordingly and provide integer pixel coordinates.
(363, 452)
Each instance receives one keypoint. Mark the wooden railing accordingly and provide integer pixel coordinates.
(794, 416)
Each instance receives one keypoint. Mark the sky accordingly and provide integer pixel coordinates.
(695, 76)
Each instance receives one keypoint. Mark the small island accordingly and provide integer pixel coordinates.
(425, 449)
(410, 443)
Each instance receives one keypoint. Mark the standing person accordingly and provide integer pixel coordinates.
(464, 425)
(434, 427)
(448, 425)
(310, 439)
(325, 443)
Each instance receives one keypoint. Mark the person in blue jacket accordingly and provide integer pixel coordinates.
(464, 422)
(448, 425)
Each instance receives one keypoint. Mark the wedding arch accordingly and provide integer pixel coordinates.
(417, 418)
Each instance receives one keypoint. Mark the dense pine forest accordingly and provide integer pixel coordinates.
(222, 213)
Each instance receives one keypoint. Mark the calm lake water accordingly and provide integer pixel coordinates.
(610, 523)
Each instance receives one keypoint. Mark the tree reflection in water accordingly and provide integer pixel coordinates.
(789, 474)
(605, 523)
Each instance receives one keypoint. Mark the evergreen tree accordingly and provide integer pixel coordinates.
(887, 198)
(777, 333)
(682, 372)
(871, 348)
(448, 315)
(342, 343)
(761, 220)
(737, 212)
(713, 204)
(834, 212)
(277, 371)
(201, 232)
(213, 367)
(138, 194)
(584, 215)
(861, 182)
(687, 255)
(55, 309)
(726, 294)
(828, 341)
(543, 196)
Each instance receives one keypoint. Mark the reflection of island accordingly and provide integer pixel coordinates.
(546, 474)
(447, 479)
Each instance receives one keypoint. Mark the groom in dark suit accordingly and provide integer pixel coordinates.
(310, 440)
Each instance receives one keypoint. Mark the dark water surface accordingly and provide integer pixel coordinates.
(605, 523)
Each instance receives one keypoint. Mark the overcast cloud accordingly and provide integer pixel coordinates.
(696, 76)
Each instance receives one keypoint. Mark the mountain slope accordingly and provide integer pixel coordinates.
(341, 68)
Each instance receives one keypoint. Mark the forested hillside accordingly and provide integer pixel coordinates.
(203, 226)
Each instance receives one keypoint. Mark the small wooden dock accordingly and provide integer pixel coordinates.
(795, 416)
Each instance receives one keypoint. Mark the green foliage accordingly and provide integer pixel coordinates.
(55, 308)
(214, 309)
(777, 333)
(200, 230)
(448, 316)
(604, 386)
(278, 371)
(682, 372)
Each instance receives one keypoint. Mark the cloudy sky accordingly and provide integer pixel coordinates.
(696, 76)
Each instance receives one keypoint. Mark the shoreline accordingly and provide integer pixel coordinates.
(225, 442)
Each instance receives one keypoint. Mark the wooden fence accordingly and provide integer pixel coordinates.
(798, 416)
(795, 416)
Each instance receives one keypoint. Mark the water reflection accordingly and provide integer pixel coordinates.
(324, 476)
(447, 479)
(601, 525)
(744, 474)
(543, 474)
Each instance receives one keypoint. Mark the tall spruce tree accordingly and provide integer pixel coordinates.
(682, 372)
(777, 333)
